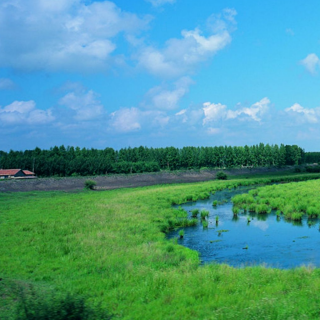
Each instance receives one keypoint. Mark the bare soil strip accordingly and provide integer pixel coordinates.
(123, 181)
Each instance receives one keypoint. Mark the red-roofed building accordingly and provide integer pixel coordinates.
(15, 173)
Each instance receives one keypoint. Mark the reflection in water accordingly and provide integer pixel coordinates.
(267, 239)
(262, 225)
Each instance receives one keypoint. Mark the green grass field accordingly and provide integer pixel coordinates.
(110, 248)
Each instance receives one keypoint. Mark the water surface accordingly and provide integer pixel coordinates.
(265, 240)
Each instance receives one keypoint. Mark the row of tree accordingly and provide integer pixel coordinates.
(67, 161)
(312, 157)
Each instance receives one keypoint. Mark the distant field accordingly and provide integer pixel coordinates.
(110, 247)
(108, 182)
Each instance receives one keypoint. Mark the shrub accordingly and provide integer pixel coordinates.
(313, 169)
(221, 176)
(90, 184)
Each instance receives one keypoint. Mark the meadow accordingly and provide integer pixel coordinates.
(110, 248)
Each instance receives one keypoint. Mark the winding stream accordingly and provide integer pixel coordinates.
(265, 240)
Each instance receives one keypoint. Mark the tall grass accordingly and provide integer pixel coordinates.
(294, 200)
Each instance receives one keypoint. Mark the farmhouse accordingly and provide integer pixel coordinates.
(16, 173)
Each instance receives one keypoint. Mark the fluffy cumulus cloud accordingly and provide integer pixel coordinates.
(311, 63)
(214, 112)
(84, 105)
(62, 34)
(217, 112)
(255, 112)
(128, 120)
(303, 115)
(24, 113)
(159, 3)
(162, 98)
(180, 56)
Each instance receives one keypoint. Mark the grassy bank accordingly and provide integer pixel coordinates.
(293, 201)
(110, 247)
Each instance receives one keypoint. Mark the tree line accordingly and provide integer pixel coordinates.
(312, 157)
(72, 161)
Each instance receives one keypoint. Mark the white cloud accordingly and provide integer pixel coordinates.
(222, 21)
(62, 35)
(164, 99)
(160, 120)
(126, 120)
(24, 112)
(213, 131)
(217, 112)
(302, 115)
(6, 84)
(84, 104)
(159, 3)
(182, 114)
(311, 63)
(255, 112)
(133, 119)
(180, 56)
(213, 112)
(20, 107)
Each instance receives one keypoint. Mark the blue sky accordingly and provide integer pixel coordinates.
(159, 73)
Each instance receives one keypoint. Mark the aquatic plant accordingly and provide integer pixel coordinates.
(181, 233)
(181, 213)
(235, 210)
(204, 195)
(194, 213)
(215, 203)
(204, 214)
(297, 216)
(192, 222)
(205, 223)
(312, 212)
(262, 208)
(252, 207)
